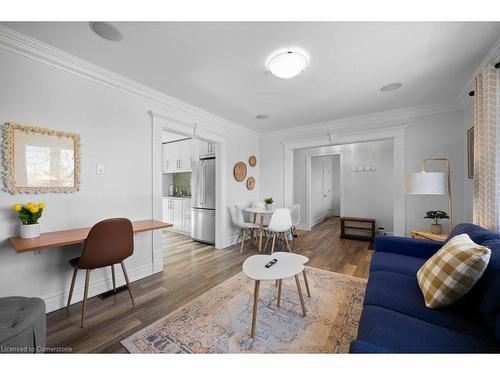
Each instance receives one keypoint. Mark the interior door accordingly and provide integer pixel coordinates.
(327, 187)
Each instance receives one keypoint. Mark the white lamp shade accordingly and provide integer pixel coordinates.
(426, 183)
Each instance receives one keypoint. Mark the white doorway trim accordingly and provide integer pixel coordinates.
(160, 122)
(309, 156)
(346, 136)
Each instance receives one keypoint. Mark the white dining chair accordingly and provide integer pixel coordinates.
(295, 212)
(245, 228)
(279, 227)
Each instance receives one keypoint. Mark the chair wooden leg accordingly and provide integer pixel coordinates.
(274, 241)
(113, 277)
(287, 244)
(267, 241)
(299, 290)
(300, 241)
(239, 236)
(85, 295)
(71, 288)
(128, 283)
(242, 242)
(307, 284)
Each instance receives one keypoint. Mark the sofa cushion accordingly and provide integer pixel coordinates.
(485, 295)
(391, 262)
(401, 293)
(22, 324)
(476, 233)
(404, 334)
(452, 272)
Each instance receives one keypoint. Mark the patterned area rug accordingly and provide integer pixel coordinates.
(219, 321)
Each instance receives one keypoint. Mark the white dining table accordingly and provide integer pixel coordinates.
(261, 212)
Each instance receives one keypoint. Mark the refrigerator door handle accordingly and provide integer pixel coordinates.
(204, 182)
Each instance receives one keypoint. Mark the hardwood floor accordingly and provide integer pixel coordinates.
(190, 268)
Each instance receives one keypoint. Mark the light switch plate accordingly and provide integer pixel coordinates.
(99, 169)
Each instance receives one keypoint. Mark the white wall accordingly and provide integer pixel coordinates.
(438, 135)
(433, 135)
(364, 194)
(116, 132)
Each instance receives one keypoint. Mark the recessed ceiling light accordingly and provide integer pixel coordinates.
(106, 31)
(391, 87)
(262, 117)
(287, 64)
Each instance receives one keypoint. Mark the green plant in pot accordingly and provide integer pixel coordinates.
(436, 228)
(269, 203)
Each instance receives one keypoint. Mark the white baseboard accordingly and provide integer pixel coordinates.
(316, 221)
(59, 300)
(303, 226)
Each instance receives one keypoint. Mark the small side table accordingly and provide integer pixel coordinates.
(425, 234)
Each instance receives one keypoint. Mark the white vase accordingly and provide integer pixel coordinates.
(30, 230)
(269, 206)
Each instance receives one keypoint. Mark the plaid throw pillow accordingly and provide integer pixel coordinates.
(450, 273)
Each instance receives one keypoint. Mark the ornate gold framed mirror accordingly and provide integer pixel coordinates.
(39, 160)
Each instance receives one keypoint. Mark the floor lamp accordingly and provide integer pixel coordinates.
(432, 183)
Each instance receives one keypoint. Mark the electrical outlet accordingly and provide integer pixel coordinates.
(99, 169)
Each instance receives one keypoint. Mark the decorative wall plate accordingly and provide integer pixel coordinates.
(240, 171)
(250, 183)
(252, 160)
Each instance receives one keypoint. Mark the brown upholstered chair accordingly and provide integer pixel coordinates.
(109, 242)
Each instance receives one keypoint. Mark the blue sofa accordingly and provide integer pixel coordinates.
(395, 319)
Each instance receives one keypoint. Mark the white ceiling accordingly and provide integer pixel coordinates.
(220, 67)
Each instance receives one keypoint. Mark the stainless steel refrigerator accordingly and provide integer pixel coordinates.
(203, 200)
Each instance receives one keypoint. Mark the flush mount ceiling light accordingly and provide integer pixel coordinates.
(288, 63)
(262, 117)
(106, 31)
(391, 87)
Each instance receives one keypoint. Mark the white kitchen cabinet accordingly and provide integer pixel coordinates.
(177, 156)
(177, 211)
(178, 219)
(207, 147)
(168, 210)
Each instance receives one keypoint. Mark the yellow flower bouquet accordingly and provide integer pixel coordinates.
(29, 214)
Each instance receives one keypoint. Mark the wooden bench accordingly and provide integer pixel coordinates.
(357, 228)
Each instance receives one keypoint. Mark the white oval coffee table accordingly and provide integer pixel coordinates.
(288, 265)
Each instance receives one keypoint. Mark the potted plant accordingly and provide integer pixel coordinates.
(436, 228)
(269, 203)
(29, 214)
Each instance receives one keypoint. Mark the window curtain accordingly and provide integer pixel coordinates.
(487, 149)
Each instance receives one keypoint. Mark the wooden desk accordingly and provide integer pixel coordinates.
(73, 236)
(429, 235)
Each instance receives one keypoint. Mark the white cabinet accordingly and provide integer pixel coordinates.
(177, 156)
(168, 210)
(207, 147)
(177, 211)
(177, 208)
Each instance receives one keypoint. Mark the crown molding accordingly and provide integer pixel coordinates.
(25, 45)
(492, 56)
(361, 123)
